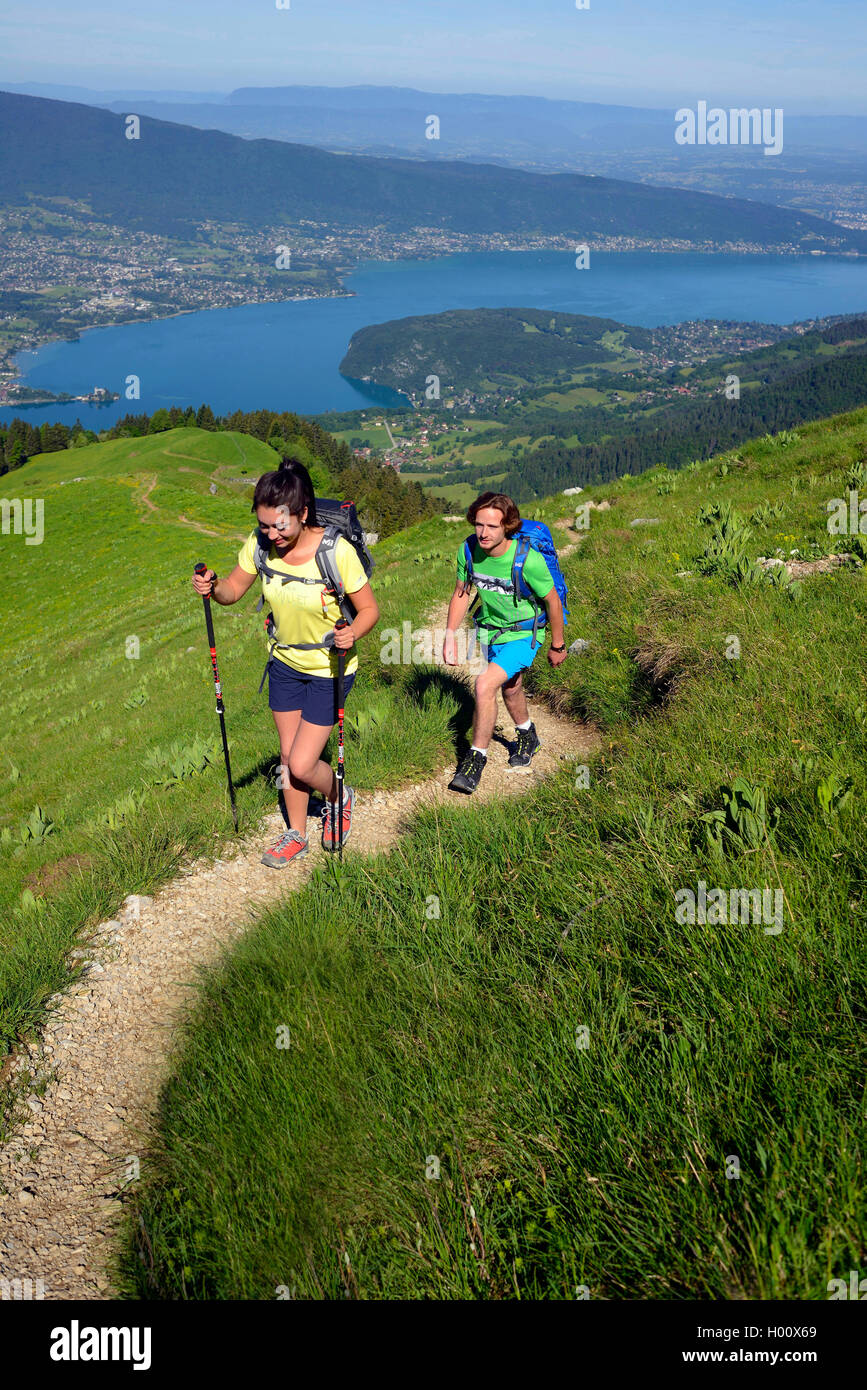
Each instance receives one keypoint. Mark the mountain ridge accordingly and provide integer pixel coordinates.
(176, 176)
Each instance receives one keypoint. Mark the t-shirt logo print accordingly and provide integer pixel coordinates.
(488, 581)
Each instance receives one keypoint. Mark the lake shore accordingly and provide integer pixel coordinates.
(285, 353)
(447, 245)
(47, 338)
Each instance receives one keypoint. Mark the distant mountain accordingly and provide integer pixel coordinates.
(470, 349)
(361, 109)
(92, 97)
(823, 166)
(591, 124)
(174, 176)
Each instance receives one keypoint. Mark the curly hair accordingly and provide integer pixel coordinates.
(501, 503)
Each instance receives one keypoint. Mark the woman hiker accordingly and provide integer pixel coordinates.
(302, 685)
(496, 519)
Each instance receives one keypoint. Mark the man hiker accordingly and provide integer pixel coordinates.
(506, 629)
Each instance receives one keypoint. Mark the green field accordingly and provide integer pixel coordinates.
(618, 1101)
(482, 455)
(130, 735)
(460, 495)
(574, 397)
(371, 436)
(606, 1166)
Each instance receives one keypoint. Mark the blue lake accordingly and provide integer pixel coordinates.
(286, 356)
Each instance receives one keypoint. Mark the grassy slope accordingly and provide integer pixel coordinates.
(436, 999)
(86, 725)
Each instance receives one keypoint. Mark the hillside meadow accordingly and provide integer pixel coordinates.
(112, 769)
(520, 1064)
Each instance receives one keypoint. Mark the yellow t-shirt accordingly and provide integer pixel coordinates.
(304, 612)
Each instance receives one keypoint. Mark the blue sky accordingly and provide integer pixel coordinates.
(808, 56)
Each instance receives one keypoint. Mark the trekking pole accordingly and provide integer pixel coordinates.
(201, 568)
(341, 695)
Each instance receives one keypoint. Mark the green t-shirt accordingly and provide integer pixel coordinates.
(493, 579)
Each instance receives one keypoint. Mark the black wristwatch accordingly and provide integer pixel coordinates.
(561, 648)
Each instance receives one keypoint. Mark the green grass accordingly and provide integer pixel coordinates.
(121, 751)
(482, 455)
(372, 436)
(614, 1100)
(460, 495)
(571, 398)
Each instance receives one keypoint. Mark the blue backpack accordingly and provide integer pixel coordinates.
(531, 535)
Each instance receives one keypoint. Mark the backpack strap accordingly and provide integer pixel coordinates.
(525, 625)
(476, 606)
(520, 587)
(468, 558)
(326, 560)
(522, 590)
(274, 645)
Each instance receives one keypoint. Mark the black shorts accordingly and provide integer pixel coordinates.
(315, 696)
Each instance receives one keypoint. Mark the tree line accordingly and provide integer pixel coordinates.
(384, 501)
(695, 430)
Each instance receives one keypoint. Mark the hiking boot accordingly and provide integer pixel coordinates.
(526, 744)
(469, 774)
(288, 848)
(329, 820)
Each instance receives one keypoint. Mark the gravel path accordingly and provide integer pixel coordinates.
(107, 1044)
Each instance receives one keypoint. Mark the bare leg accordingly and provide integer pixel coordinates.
(305, 761)
(287, 722)
(300, 764)
(487, 686)
(515, 700)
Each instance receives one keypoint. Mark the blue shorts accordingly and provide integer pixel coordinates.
(315, 696)
(514, 657)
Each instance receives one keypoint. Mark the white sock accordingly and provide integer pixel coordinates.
(524, 726)
(474, 749)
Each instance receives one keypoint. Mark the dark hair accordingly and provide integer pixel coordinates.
(289, 486)
(501, 503)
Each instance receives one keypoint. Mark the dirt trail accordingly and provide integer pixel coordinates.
(144, 495)
(149, 482)
(205, 531)
(107, 1046)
